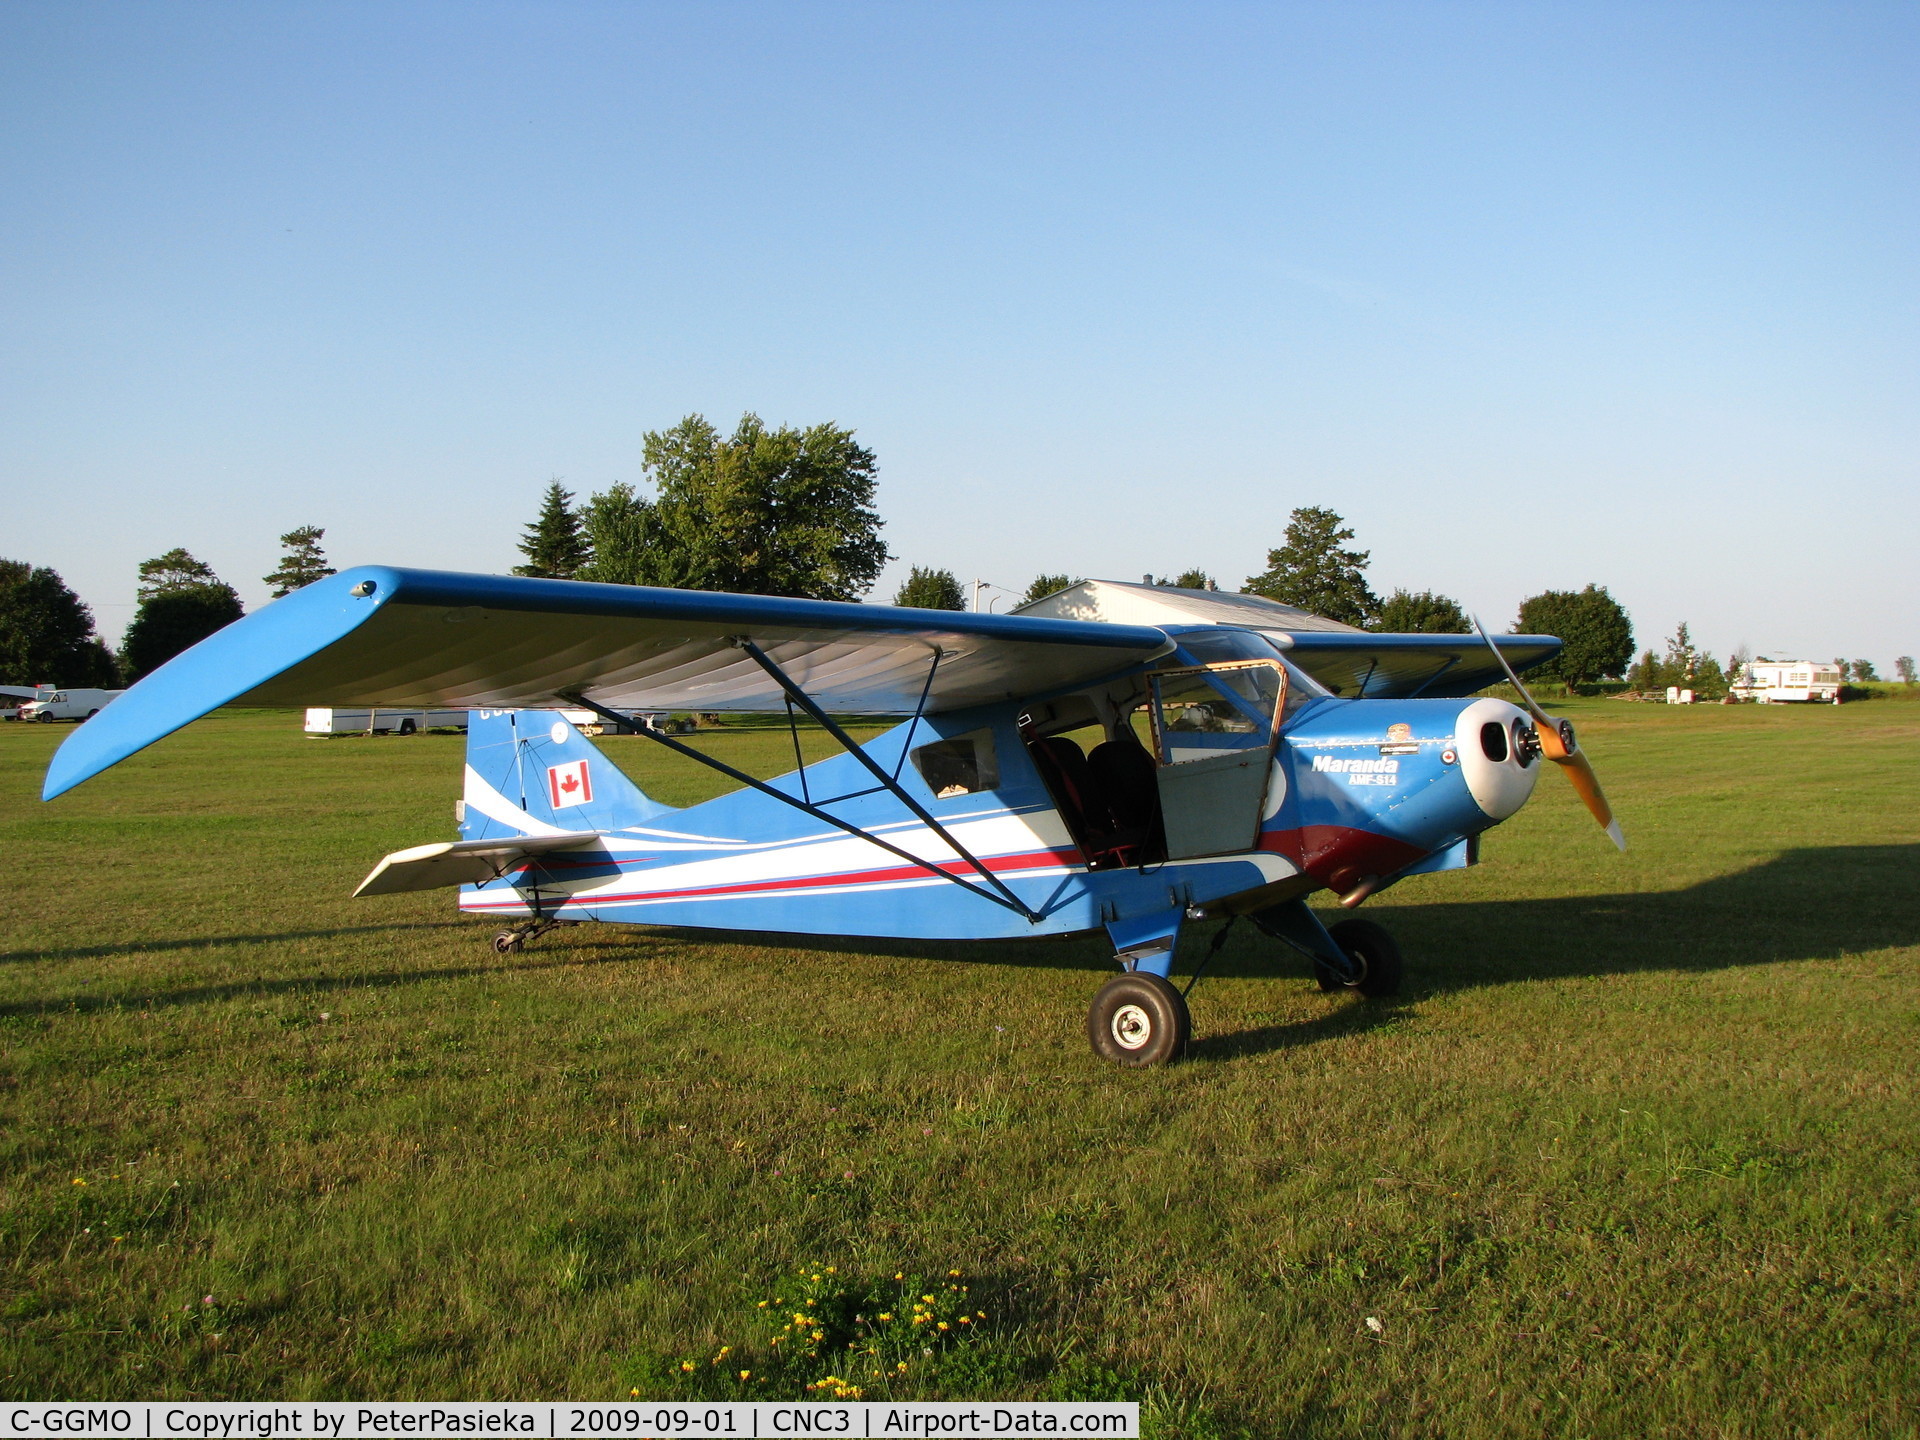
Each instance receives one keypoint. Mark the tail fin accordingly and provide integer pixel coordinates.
(531, 773)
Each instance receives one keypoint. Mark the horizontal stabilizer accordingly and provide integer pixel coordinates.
(463, 862)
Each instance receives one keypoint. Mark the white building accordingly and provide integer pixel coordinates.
(1789, 681)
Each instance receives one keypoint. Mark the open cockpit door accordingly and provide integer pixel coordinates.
(1214, 729)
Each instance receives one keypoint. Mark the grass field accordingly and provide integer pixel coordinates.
(1637, 1153)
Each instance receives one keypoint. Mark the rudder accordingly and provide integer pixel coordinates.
(531, 773)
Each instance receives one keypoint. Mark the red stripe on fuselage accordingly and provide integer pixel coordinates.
(1034, 859)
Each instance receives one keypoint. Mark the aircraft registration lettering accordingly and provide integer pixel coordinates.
(1358, 771)
(569, 784)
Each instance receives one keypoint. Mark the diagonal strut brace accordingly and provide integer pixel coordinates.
(847, 743)
(1010, 900)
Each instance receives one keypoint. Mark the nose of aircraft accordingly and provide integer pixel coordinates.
(1499, 751)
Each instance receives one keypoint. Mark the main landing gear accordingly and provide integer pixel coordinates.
(1140, 1018)
(512, 942)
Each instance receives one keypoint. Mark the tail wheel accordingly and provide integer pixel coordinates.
(508, 943)
(1139, 1020)
(1373, 949)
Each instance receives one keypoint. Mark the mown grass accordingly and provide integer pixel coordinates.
(1636, 1154)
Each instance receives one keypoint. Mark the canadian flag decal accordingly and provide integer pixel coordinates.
(569, 784)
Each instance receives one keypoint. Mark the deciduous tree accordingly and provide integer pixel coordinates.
(1597, 635)
(555, 544)
(1312, 570)
(762, 512)
(1045, 585)
(931, 590)
(181, 603)
(46, 632)
(1425, 613)
(301, 563)
(1903, 667)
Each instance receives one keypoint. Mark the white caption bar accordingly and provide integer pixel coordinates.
(629, 1420)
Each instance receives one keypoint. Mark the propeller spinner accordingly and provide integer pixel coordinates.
(1558, 744)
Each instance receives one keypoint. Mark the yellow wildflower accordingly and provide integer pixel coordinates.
(746, 1374)
(943, 1325)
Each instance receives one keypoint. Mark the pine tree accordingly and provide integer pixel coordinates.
(175, 570)
(181, 603)
(302, 563)
(1312, 572)
(931, 590)
(555, 544)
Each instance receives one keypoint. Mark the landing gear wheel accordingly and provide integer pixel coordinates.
(1139, 1020)
(1373, 949)
(508, 942)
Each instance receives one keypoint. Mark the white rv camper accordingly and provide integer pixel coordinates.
(1776, 682)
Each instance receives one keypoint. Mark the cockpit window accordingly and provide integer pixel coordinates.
(958, 766)
(1198, 713)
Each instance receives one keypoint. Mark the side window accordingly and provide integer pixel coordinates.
(1199, 713)
(959, 766)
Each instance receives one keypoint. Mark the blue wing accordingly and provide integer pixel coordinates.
(393, 638)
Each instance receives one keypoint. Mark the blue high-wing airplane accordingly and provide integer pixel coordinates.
(1049, 776)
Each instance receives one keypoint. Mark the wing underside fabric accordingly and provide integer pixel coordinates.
(462, 862)
(401, 638)
(1362, 666)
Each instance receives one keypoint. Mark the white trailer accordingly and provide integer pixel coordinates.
(322, 721)
(69, 705)
(1790, 682)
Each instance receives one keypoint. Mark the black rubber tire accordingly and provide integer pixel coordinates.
(406, 727)
(1381, 967)
(1139, 1020)
(44, 718)
(93, 712)
(507, 943)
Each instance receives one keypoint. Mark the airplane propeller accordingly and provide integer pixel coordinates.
(1558, 744)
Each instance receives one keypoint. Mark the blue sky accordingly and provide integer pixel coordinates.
(1534, 295)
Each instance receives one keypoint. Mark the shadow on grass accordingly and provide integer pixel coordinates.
(136, 999)
(1806, 904)
(212, 942)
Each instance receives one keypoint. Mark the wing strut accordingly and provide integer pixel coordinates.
(1005, 897)
(889, 782)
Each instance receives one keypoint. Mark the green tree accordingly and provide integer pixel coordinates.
(1192, 580)
(622, 531)
(181, 603)
(175, 570)
(761, 512)
(1313, 572)
(1045, 585)
(1597, 635)
(1864, 673)
(555, 544)
(1427, 613)
(302, 562)
(931, 590)
(1903, 667)
(46, 632)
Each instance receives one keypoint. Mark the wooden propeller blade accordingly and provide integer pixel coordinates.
(1553, 745)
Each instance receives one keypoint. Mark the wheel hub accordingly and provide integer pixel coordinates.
(1132, 1027)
